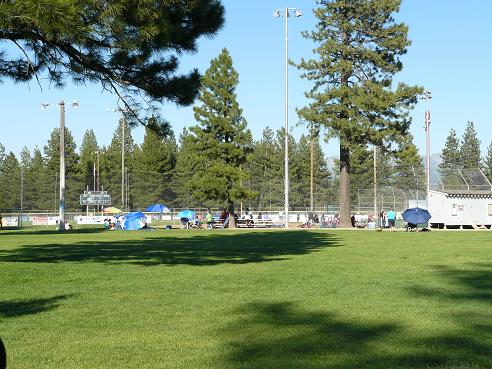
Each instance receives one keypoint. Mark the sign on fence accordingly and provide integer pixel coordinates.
(83, 219)
(90, 198)
(10, 221)
(40, 220)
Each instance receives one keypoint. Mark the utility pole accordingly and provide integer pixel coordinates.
(61, 202)
(122, 159)
(375, 183)
(61, 220)
(21, 195)
(312, 170)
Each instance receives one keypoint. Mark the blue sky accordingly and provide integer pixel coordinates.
(450, 56)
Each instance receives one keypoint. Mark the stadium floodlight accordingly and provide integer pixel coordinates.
(277, 14)
(426, 96)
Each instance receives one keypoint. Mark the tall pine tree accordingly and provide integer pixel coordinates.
(184, 170)
(409, 168)
(358, 44)
(487, 165)
(10, 183)
(470, 148)
(451, 162)
(88, 158)
(264, 170)
(222, 142)
(73, 181)
(156, 160)
(110, 163)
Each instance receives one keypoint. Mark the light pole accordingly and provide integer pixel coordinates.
(96, 187)
(123, 123)
(277, 14)
(61, 106)
(96, 183)
(426, 97)
(314, 134)
(375, 185)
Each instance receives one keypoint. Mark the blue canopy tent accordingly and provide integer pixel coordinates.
(189, 214)
(157, 208)
(134, 221)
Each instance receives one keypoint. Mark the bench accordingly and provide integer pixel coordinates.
(263, 223)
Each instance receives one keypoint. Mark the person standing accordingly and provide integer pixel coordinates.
(391, 219)
(381, 219)
(209, 219)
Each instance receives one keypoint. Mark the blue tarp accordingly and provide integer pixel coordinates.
(157, 208)
(134, 221)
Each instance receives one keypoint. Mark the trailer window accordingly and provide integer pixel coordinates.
(490, 210)
(454, 209)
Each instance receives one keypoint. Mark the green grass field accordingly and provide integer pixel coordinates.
(246, 299)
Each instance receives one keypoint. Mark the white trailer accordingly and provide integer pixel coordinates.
(460, 209)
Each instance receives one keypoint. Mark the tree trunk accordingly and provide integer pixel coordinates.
(232, 220)
(344, 184)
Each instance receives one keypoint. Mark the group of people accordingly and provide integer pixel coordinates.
(111, 225)
(387, 220)
(68, 226)
(223, 219)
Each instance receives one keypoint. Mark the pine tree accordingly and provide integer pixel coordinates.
(42, 188)
(301, 174)
(222, 142)
(156, 160)
(362, 170)
(2, 153)
(451, 162)
(359, 47)
(25, 166)
(263, 168)
(409, 166)
(488, 163)
(88, 158)
(131, 47)
(323, 180)
(110, 163)
(470, 148)
(184, 170)
(278, 184)
(451, 158)
(10, 183)
(74, 184)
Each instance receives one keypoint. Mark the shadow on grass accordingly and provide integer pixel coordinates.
(35, 231)
(203, 249)
(283, 336)
(473, 282)
(16, 308)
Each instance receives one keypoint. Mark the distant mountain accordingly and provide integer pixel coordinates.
(435, 160)
(330, 162)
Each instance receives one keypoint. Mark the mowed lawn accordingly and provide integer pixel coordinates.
(246, 299)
